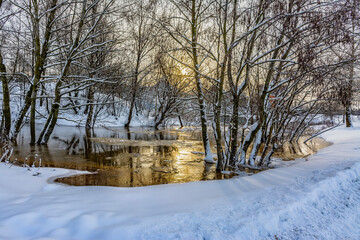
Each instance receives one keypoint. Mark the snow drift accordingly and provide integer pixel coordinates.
(315, 199)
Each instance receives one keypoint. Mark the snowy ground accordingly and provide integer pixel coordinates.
(316, 199)
(67, 117)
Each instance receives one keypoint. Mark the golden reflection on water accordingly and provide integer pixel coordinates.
(141, 166)
(124, 159)
(139, 157)
(135, 164)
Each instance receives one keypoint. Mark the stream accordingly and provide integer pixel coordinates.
(136, 157)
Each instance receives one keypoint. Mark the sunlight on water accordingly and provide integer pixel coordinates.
(118, 157)
(139, 157)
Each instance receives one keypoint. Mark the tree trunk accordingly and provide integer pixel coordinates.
(40, 56)
(32, 115)
(45, 126)
(56, 105)
(249, 139)
(234, 129)
(88, 143)
(204, 131)
(39, 61)
(269, 141)
(6, 98)
(217, 130)
(22, 114)
(348, 116)
(91, 108)
(134, 90)
(350, 89)
(132, 105)
(42, 95)
(255, 148)
(55, 111)
(160, 121)
(180, 120)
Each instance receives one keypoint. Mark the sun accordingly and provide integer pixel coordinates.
(183, 71)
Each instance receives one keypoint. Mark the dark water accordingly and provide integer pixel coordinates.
(138, 157)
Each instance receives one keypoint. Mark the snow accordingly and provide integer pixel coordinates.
(68, 118)
(314, 199)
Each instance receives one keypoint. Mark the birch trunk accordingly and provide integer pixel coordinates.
(6, 98)
(197, 77)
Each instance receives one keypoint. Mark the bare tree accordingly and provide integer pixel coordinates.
(185, 31)
(349, 34)
(6, 116)
(73, 53)
(141, 32)
(170, 88)
(41, 16)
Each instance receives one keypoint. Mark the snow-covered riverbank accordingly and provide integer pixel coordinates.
(316, 199)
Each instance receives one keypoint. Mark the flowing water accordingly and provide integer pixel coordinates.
(127, 158)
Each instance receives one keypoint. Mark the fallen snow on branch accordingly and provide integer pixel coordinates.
(315, 199)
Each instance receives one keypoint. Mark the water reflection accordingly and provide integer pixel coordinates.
(133, 157)
(142, 157)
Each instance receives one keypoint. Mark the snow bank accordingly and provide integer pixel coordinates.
(67, 117)
(315, 199)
